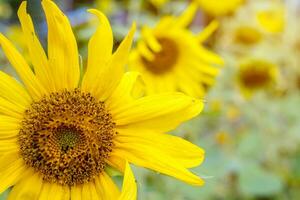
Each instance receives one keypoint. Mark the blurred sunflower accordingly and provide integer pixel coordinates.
(105, 6)
(5, 10)
(272, 18)
(247, 35)
(256, 74)
(243, 33)
(171, 58)
(215, 8)
(59, 133)
(158, 3)
(222, 138)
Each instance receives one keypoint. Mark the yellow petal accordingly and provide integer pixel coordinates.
(208, 80)
(8, 145)
(189, 154)
(187, 16)
(155, 159)
(204, 68)
(89, 192)
(8, 134)
(169, 82)
(110, 76)
(62, 48)
(150, 39)
(117, 162)
(36, 51)
(198, 52)
(9, 123)
(129, 189)
(208, 31)
(272, 20)
(28, 188)
(149, 83)
(13, 92)
(9, 126)
(162, 112)
(129, 88)
(45, 192)
(76, 192)
(204, 79)
(56, 192)
(51, 191)
(66, 193)
(106, 188)
(12, 169)
(10, 109)
(217, 8)
(165, 23)
(190, 86)
(99, 50)
(144, 51)
(208, 56)
(32, 84)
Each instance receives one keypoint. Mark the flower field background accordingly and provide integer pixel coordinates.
(250, 126)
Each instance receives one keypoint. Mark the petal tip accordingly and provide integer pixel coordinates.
(96, 12)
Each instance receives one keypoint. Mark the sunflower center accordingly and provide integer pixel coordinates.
(67, 137)
(255, 77)
(165, 59)
(247, 35)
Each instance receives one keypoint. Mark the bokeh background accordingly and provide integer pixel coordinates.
(251, 135)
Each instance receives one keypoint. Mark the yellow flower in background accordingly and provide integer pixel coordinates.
(216, 8)
(215, 105)
(171, 58)
(247, 35)
(233, 113)
(272, 18)
(243, 32)
(59, 132)
(104, 5)
(5, 10)
(158, 3)
(256, 74)
(222, 138)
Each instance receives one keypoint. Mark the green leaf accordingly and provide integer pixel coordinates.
(112, 171)
(4, 195)
(255, 181)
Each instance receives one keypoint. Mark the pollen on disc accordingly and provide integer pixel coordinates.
(67, 137)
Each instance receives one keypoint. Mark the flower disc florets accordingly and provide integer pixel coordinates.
(67, 137)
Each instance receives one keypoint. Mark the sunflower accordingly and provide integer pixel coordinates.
(158, 3)
(60, 133)
(5, 10)
(247, 35)
(243, 33)
(217, 8)
(171, 58)
(256, 74)
(272, 18)
(105, 5)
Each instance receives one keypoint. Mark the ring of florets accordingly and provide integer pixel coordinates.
(67, 137)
